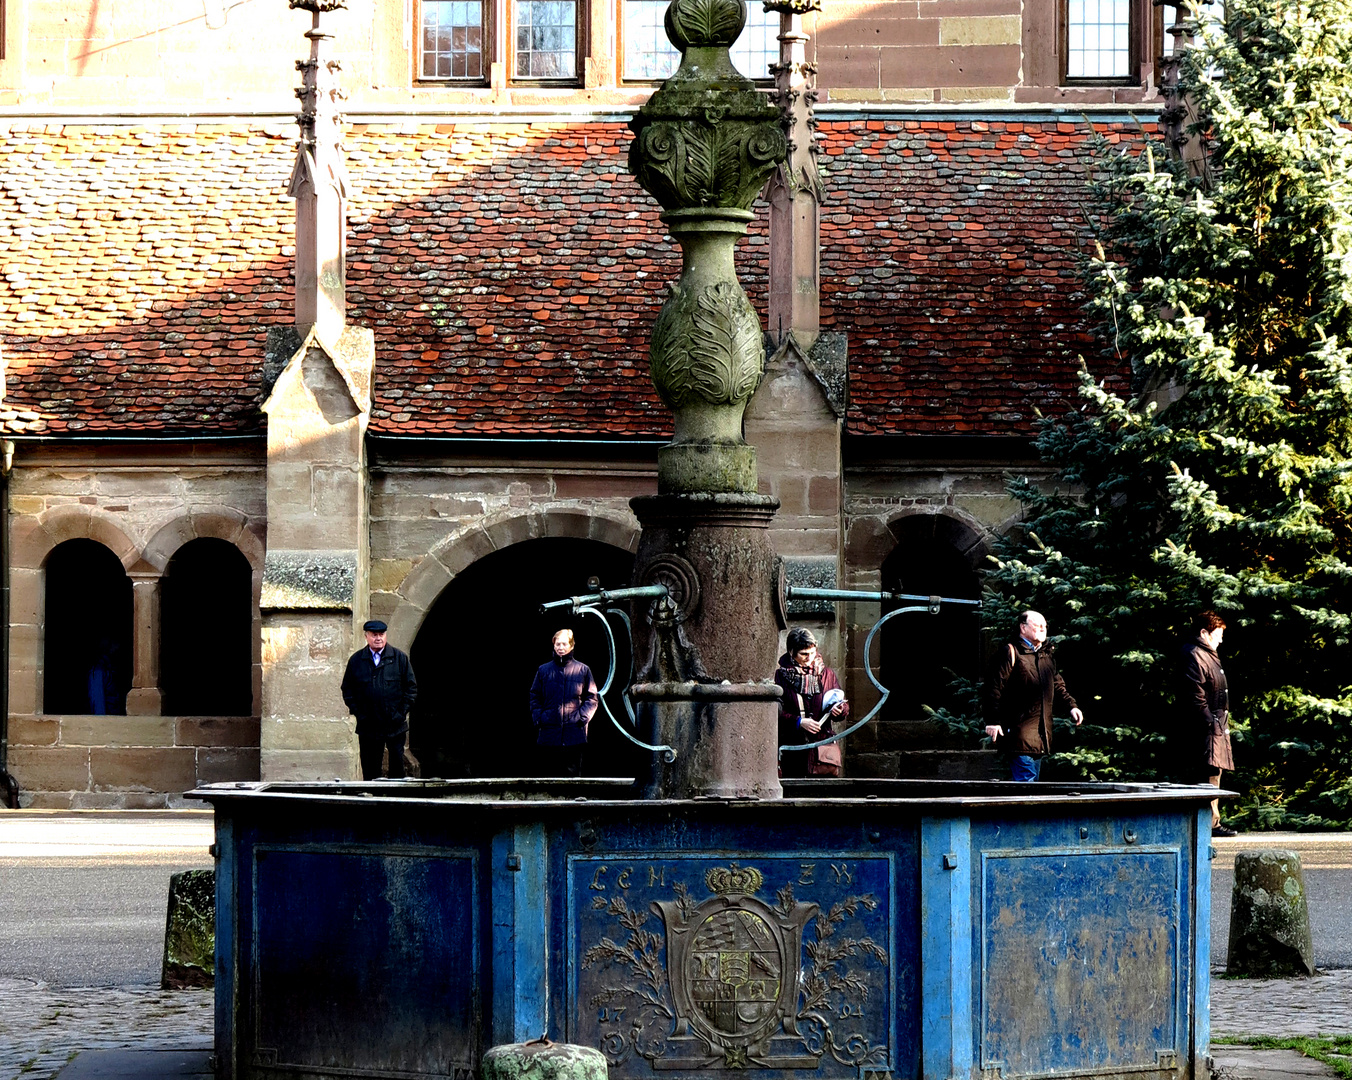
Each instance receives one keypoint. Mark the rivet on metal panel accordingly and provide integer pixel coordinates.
(1084, 833)
(1129, 835)
(513, 862)
(874, 836)
(950, 860)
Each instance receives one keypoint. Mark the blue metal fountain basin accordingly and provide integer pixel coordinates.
(901, 928)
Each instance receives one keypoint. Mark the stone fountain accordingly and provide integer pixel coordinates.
(710, 919)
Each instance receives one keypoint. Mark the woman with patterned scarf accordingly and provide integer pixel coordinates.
(804, 713)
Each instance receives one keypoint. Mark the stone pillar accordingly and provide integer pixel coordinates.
(795, 190)
(316, 570)
(1179, 112)
(796, 417)
(704, 145)
(143, 699)
(319, 186)
(315, 586)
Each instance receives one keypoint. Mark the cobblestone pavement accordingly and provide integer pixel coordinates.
(1280, 1007)
(43, 1027)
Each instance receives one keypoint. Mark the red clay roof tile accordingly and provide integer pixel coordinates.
(512, 274)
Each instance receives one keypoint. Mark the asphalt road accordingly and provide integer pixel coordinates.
(83, 895)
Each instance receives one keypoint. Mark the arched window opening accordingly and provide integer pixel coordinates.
(206, 631)
(87, 631)
(922, 654)
(481, 643)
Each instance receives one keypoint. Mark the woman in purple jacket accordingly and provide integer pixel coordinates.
(562, 702)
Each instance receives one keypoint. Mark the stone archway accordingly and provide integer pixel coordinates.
(424, 583)
(480, 638)
(208, 523)
(32, 540)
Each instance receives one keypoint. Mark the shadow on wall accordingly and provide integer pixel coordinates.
(480, 645)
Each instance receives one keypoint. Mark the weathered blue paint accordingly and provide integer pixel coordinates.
(1084, 928)
(925, 931)
(1201, 942)
(946, 945)
(227, 972)
(531, 936)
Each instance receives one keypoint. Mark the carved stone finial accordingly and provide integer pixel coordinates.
(704, 145)
(319, 186)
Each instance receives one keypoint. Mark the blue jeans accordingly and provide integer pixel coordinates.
(1025, 768)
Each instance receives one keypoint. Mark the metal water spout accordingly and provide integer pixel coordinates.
(704, 145)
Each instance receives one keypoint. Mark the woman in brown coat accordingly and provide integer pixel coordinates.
(1204, 701)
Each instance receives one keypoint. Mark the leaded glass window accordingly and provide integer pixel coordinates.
(452, 39)
(546, 39)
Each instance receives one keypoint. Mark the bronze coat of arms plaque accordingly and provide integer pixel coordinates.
(779, 963)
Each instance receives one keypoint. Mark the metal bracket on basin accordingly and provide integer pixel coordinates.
(601, 604)
(931, 605)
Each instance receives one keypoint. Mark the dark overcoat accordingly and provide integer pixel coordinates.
(380, 697)
(1204, 704)
(1021, 692)
(563, 700)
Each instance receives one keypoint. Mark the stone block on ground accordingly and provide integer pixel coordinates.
(190, 931)
(541, 1059)
(1269, 917)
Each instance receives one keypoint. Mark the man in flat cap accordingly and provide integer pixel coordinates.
(379, 689)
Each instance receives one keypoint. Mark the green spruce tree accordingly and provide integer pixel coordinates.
(1210, 464)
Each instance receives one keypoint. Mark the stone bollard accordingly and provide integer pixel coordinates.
(190, 931)
(1269, 919)
(541, 1059)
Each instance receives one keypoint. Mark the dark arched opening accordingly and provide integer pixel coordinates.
(206, 631)
(481, 643)
(921, 654)
(87, 631)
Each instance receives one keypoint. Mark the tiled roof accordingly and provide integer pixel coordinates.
(949, 257)
(512, 274)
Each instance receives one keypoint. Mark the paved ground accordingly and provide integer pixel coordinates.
(42, 1028)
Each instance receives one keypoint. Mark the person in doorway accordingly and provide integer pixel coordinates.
(379, 689)
(563, 700)
(1021, 694)
(1204, 705)
(812, 701)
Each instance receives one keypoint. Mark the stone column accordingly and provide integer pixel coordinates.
(143, 699)
(704, 145)
(315, 575)
(796, 416)
(1179, 112)
(795, 190)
